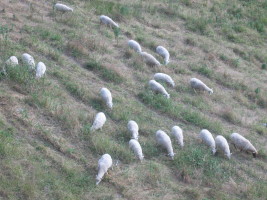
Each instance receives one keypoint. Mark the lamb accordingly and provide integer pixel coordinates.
(104, 163)
(158, 88)
(12, 61)
(106, 96)
(208, 139)
(243, 144)
(164, 53)
(133, 128)
(99, 121)
(177, 132)
(199, 85)
(108, 21)
(164, 140)
(164, 77)
(222, 145)
(149, 59)
(135, 45)
(40, 70)
(63, 8)
(136, 148)
(28, 60)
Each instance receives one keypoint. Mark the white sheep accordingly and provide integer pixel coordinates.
(208, 139)
(222, 146)
(242, 143)
(106, 96)
(135, 45)
(199, 85)
(164, 53)
(63, 8)
(158, 88)
(104, 163)
(164, 140)
(177, 132)
(136, 148)
(28, 60)
(12, 61)
(164, 77)
(149, 59)
(133, 128)
(40, 70)
(99, 121)
(108, 21)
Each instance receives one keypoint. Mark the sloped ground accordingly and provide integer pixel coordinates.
(46, 148)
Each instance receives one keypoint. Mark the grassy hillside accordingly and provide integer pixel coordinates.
(46, 148)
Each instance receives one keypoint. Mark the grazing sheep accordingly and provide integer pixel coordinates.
(12, 61)
(243, 144)
(164, 140)
(199, 85)
(99, 121)
(106, 96)
(208, 139)
(222, 145)
(135, 45)
(104, 163)
(28, 60)
(108, 21)
(63, 8)
(149, 59)
(133, 128)
(40, 70)
(164, 53)
(136, 148)
(158, 88)
(164, 77)
(177, 132)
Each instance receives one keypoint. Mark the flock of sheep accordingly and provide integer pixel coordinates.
(220, 144)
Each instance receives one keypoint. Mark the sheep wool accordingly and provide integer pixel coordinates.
(158, 88)
(208, 139)
(28, 60)
(40, 70)
(63, 8)
(177, 132)
(12, 61)
(222, 146)
(164, 77)
(199, 85)
(108, 21)
(106, 96)
(164, 53)
(135, 46)
(164, 140)
(133, 128)
(104, 163)
(243, 144)
(99, 121)
(136, 148)
(149, 59)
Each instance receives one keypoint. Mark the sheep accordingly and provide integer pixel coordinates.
(136, 148)
(104, 163)
(164, 53)
(222, 145)
(208, 139)
(158, 88)
(106, 96)
(199, 85)
(28, 60)
(135, 45)
(40, 70)
(108, 21)
(164, 77)
(133, 128)
(177, 132)
(99, 121)
(12, 61)
(62, 8)
(164, 140)
(149, 59)
(243, 144)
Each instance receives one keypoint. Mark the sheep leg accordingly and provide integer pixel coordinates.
(195, 91)
(234, 146)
